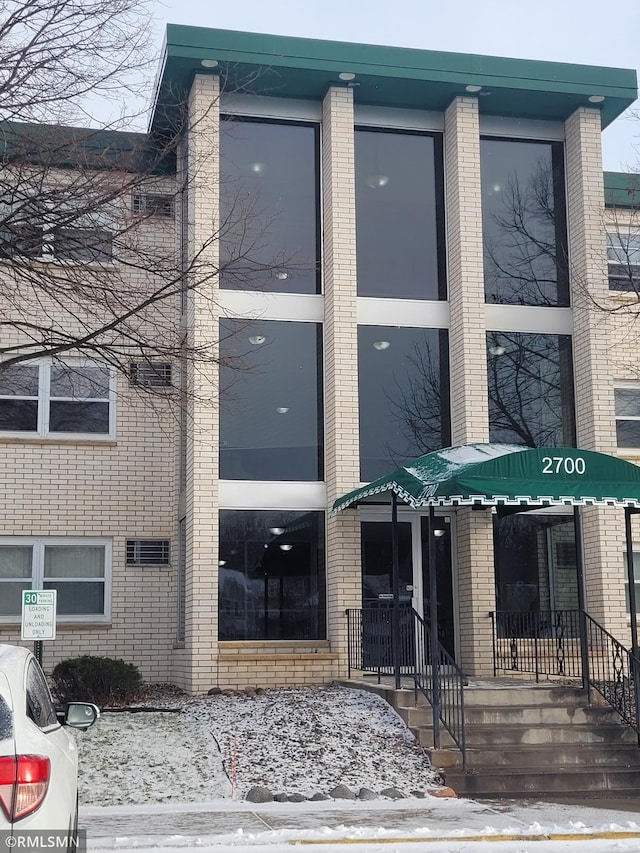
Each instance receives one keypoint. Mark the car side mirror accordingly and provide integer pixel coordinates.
(80, 715)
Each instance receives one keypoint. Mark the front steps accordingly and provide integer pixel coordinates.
(525, 740)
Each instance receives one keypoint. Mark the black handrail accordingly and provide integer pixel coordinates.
(569, 643)
(370, 649)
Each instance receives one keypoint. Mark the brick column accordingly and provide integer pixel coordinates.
(595, 411)
(201, 635)
(344, 575)
(469, 399)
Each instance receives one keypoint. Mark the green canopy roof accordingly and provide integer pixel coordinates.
(508, 475)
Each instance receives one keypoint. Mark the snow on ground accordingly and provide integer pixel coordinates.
(291, 740)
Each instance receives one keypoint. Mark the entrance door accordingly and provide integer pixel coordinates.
(413, 554)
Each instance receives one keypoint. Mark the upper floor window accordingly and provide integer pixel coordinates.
(271, 393)
(51, 398)
(403, 385)
(623, 256)
(399, 215)
(79, 569)
(531, 399)
(79, 245)
(627, 416)
(524, 222)
(269, 198)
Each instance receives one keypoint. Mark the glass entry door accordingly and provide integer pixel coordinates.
(413, 554)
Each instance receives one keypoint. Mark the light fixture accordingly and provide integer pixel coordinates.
(276, 530)
(347, 76)
(439, 532)
(376, 182)
(258, 168)
(256, 340)
(496, 188)
(381, 345)
(282, 275)
(596, 99)
(472, 88)
(222, 562)
(209, 63)
(285, 547)
(496, 349)
(282, 410)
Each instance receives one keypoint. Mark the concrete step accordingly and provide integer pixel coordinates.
(530, 694)
(568, 781)
(525, 735)
(534, 715)
(541, 756)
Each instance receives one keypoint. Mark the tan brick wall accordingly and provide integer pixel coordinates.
(592, 334)
(195, 666)
(344, 577)
(467, 337)
(275, 664)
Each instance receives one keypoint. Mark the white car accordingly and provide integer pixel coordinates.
(38, 757)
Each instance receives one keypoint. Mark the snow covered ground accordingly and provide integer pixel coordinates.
(171, 782)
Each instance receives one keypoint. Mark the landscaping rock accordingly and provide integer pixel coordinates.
(442, 792)
(367, 794)
(392, 793)
(295, 798)
(258, 794)
(215, 691)
(280, 798)
(341, 792)
(318, 797)
(419, 795)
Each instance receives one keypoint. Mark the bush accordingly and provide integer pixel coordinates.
(103, 681)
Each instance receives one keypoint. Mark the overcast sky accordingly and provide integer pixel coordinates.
(592, 32)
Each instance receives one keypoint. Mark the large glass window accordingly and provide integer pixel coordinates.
(78, 569)
(399, 215)
(269, 235)
(530, 389)
(403, 377)
(627, 416)
(524, 223)
(272, 575)
(270, 417)
(623, 256)
(51, 398)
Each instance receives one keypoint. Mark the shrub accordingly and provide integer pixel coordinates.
(103, 681)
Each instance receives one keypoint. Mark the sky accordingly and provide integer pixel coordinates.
(591, 32)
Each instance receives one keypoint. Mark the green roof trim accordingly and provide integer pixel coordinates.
(507, 475)
(282, 66)
(622, 189)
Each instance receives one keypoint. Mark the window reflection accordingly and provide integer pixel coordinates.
(403, 378)
(399, 221)
(272, 575)
(524, 223)
(268, 199)
(270, 415)
(530, 389)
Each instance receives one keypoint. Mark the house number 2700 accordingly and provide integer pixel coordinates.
(563, 465)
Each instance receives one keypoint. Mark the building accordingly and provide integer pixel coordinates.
(412, 253)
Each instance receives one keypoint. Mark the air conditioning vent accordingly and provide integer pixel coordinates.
(153, 204)
(147, 552)
(150, 374)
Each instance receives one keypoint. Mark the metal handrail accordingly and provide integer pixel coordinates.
(572, 644)
(439, 679)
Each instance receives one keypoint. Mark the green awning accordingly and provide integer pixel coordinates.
(508, 475)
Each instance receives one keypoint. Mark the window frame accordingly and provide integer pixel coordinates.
(38, 544)
(628, 243)
(44, 399)
(624, 387)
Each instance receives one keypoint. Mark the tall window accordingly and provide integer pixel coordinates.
(272, 575)
(623, 255)
(627, 416)
(399, 215)
(530, 389)
(79, 569)
(50, 398)
(403, 380)
(524, 222)
(271, 414)
(269, 178)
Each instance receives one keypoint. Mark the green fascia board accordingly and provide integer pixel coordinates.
(390, 76)
(65, 147)
(622, 189)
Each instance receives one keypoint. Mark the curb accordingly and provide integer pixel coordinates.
(609, 835)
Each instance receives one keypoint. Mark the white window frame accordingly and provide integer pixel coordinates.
(627, 245)
(44, 398)
(629, 386)
(38, 545)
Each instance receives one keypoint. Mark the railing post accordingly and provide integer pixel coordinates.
(435, 642)
(582, 603)
(493, 644)
(395, 619)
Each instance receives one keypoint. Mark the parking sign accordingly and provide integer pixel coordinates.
(38, 614)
